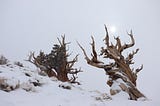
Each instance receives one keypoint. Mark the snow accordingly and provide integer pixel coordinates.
(121, 95)
(50, 91)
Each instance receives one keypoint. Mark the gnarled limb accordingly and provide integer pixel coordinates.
(92, 62)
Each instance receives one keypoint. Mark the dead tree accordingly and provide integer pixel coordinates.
(56, 63)
(119, 71)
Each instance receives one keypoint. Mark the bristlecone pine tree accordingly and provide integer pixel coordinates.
(56, 63)
(120, 73)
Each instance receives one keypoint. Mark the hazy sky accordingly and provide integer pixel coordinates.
(34, 25)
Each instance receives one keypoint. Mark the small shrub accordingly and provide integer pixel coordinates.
(3, 60)
(7, 84)
(65, 86)
(18, 64)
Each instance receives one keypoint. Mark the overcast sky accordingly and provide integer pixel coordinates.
(34, 25)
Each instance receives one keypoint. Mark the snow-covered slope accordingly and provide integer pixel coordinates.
(24, 86)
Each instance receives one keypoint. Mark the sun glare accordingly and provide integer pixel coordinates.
(112, 29)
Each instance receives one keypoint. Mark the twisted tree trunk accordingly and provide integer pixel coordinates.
(119, 71)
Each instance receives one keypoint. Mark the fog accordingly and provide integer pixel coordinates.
(34, 25)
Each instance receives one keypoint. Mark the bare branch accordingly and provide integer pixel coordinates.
(107, 36)
(84, 52)
(89, 61)
(125, 46)
(71, 63)
(62, 43)
(130, 57)
(94, 53)
(59, 41)
(31, 57)
(75, 71)
(73, 80)
(138, 69)
(118, 44)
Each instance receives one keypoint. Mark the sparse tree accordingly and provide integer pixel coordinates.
(120, 72)
(56, 63)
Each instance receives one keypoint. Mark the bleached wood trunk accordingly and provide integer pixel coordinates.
(119, 83)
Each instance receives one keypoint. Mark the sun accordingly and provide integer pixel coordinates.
(112, 29)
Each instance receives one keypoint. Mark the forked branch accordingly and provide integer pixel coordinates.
(90, 61)
(125, 46)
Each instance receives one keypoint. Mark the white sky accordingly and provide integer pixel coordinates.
(34, 25)
(31, 25)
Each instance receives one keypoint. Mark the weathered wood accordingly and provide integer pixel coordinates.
(120, 68)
